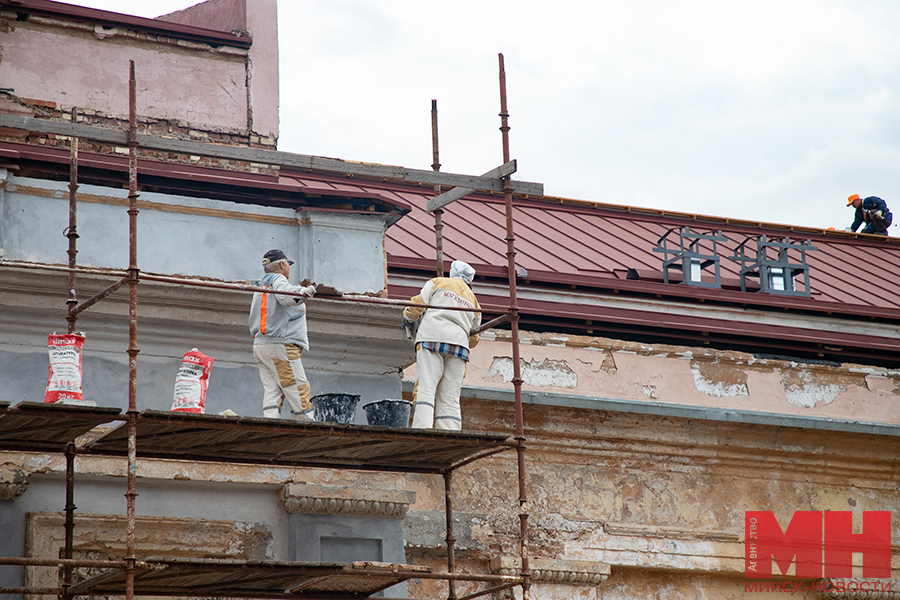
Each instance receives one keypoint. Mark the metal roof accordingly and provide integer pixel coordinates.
(298, 190)
(104, 17)
(594, 245)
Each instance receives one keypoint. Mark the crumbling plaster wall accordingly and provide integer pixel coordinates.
(659, 499)
(700, 377)
(259, 20)
(202, 85)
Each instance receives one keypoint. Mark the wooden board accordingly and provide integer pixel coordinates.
(244, 579)
(41, 427)
(218, 438)
(271, 157)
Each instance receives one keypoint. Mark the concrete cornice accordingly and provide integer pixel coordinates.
(663, 409)
(341, 333)
(300, 498)
(572, 572)
(13, 481)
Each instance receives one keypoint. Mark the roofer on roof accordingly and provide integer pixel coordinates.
(872, 211)
(442, 346)
(278, 327)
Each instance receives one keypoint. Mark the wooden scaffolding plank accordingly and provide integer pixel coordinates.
(217, 438)
(43, 427)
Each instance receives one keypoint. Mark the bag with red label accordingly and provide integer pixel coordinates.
(64, 378)
(191, 382)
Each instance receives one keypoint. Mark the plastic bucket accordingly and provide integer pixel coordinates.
(388, 413)
(335, 408)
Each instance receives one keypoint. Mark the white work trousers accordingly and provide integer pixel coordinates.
(440, 378)
(283, 377)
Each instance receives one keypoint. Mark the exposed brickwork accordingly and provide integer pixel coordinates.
(47, 109)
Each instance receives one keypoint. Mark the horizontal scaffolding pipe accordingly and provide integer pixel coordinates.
(222, 285)
(98, 297)
(490, 590)
(62, 562)
(492, 323)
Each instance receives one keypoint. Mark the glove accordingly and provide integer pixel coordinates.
(848, 229)
(409, 327)
(309, 291)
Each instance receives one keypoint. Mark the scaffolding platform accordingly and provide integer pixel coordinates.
(243, 579)
(283, 442)
(45, 427)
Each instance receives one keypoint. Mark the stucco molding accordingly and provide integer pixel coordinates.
(571, 572)
(13, 481)
(678, 533)
(301, 498)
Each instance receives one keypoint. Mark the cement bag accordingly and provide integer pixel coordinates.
(64, 379)
(191, 382)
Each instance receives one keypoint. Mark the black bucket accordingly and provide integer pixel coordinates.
(388, 413)
(335, 408)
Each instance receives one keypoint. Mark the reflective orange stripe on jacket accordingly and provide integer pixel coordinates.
(263, 311)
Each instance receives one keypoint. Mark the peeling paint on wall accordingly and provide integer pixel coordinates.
(719, 380)
(546, 373)
(806, 390)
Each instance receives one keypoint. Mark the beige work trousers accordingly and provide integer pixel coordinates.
(283, 377)
(440, 378)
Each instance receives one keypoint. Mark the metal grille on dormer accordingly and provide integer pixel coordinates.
(772, 265)
(694, 253)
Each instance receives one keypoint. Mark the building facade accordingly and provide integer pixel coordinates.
(662, 404)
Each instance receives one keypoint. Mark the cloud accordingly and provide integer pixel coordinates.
(764, 110)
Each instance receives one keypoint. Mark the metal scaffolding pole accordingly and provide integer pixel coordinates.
(514, 326)
(133, 276)
(71, 231)
(436, 166)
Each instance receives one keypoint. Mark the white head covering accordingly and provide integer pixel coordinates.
(461, 270)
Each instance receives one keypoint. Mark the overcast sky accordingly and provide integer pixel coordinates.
(762, 110)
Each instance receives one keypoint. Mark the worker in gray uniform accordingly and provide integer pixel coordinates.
(278, 327)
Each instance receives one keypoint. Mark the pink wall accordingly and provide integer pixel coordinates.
(260, 18)
(699, 377)
(205, 89)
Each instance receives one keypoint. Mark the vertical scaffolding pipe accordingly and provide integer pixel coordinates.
(451, 539)
(70, 516)
(514, 325)
(71, 231)
(436, 166)
(133, 350)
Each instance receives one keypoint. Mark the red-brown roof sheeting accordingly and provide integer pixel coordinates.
(567, 242)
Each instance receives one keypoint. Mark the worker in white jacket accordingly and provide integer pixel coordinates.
(278, 327)
(442, 346)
